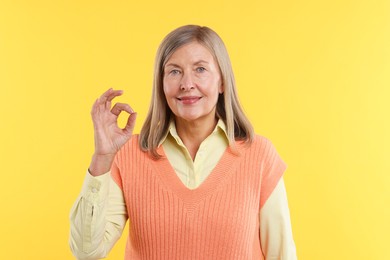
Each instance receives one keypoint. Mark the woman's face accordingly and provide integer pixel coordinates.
(192, 83)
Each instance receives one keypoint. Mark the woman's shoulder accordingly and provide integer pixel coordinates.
(261, 140)
(266, 148)
(260, 144)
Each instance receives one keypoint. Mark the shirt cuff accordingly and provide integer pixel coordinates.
(95, 188)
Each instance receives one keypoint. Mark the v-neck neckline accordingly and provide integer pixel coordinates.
(219, 175)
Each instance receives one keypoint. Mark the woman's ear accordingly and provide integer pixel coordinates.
(221, 88)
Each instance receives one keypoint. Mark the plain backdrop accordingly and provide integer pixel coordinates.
(313, 76)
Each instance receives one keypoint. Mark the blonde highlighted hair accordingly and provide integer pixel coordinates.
(228, 107)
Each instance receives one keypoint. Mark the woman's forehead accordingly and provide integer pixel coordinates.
(192, 52)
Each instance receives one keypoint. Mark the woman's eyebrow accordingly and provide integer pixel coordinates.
(195, 63)
(172, 65)
(200, 62)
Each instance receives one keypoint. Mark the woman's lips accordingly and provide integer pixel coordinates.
(188, 100)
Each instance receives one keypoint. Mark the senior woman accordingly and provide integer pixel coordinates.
(196, 183)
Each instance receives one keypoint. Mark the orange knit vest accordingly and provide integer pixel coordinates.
(217, 220)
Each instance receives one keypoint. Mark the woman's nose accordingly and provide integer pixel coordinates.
(187, 82)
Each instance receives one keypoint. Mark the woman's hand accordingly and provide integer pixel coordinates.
(109, 138)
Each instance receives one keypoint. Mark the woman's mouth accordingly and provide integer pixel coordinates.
(188, 100)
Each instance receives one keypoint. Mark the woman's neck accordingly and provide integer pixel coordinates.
(194, 133)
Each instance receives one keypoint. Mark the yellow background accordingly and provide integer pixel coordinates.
(313, 76)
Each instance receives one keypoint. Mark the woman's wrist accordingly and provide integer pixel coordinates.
(101, 164)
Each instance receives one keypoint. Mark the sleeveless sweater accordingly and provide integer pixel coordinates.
(217, 220)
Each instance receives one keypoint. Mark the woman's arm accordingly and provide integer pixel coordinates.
(97, 218)
(275, 227)
(99, 214)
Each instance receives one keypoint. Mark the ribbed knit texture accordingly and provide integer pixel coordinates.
(218, 220)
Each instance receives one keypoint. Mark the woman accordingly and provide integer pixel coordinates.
(197, 183)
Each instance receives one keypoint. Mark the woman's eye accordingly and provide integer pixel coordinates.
(174, 72)
(200, 69)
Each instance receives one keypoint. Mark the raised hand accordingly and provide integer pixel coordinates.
(109, 138)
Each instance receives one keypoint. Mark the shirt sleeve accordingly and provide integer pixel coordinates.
(275, 227)
(97, 218)
(274, 168)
